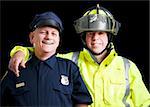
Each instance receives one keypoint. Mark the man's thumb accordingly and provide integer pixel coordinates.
(23, 64)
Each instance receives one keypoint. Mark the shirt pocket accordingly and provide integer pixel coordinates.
(20, 91)
(62, 95)
(62, 89)
(22, 96)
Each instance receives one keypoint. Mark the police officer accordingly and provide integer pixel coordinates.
(112, 80)
(47, 80)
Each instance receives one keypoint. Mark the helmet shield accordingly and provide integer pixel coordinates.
(98, 19)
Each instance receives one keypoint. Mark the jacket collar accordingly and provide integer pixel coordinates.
(105, 62)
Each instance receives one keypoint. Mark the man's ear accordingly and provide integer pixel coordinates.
(31, 36)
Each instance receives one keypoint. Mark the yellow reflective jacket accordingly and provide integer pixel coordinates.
(108, 82)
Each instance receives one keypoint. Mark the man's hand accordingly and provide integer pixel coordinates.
(16, 61)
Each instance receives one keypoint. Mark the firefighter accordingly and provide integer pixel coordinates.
(113, 80)
(47, 81)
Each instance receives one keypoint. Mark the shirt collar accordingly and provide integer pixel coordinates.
(50, 61)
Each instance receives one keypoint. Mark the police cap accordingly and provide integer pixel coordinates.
(46, 19)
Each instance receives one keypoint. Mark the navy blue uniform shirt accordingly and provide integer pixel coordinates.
(55, 82)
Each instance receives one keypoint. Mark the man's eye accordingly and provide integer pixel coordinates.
(100, 33)
(54, 34)
(90, 33)
(43, 32)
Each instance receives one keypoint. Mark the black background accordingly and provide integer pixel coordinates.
(131, 42)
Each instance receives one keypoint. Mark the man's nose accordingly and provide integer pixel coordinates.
(95, 36)
(48, 36)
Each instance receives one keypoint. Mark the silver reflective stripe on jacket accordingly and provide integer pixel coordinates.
(75, 57)
(127, 66)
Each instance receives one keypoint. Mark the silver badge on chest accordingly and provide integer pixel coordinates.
(64, 80)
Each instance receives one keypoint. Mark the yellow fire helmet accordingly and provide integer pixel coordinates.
(97, 19)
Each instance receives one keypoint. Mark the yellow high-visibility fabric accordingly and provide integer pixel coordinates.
(106, 82)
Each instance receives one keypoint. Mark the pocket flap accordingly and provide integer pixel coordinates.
(62, 89)
(20, 90)
(117, 80)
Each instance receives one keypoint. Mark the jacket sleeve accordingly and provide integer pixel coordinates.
(139, 92)
(26, 51)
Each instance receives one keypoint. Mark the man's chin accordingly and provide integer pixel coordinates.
(97, 52)
(47, 50)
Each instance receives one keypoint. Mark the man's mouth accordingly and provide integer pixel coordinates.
(96, 44)
(48, 42)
